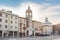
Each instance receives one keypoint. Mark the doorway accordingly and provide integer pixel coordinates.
(5, 34)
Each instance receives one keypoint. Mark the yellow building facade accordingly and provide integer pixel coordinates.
(23, 27)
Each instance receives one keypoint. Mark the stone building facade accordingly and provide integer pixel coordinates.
(22, 26)
(47, 27)
(8, 23)
(27, 25)
(12, 25)
(56, 29)
(37, 26)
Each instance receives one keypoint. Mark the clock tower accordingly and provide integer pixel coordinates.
(29, 21)
(29, 17)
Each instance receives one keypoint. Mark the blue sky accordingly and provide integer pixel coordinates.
(14, 3)
(40, 8)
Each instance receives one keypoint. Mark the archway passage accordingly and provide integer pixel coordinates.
(20, 34)
(0, 33)
(15, 33)
(10, 33)
(5, 34)
(23, 34)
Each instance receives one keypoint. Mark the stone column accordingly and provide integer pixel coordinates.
(25, 34)
(22, 34)
(34, 33)
(17, 34)
(13, 33)
(7, 33)
(2, 33)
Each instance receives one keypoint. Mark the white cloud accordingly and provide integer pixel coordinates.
(39, 11)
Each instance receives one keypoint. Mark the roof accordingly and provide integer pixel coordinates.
(8, 12)
(47, 22)
(22, 17)
(36, 21)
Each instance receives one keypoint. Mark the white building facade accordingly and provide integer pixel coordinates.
(47, 27)
(8, 24)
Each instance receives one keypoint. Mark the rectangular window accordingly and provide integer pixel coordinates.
(5, 26)
(15, 17)
(6, 15)
(0, 14)
(20, 29)
(11, 27)
(6, 21)
(24, 25)
(0, 20)
(0, 25)
(24, 28)
(24, 20)
(11, 22)
(15, 22)
(20, 24)
(15, 27)
(11, 16)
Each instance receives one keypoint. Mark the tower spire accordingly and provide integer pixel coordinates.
(28, 7)
(28, 10)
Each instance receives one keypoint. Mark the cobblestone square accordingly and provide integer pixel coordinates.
(53, 37)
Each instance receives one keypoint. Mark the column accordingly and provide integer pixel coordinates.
(34, 33)
(25, 34)
(22, 34)
(7, 33)
(2, 33)
(18, 34)
(13, 33)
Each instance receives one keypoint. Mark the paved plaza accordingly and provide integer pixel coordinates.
(34, 38)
